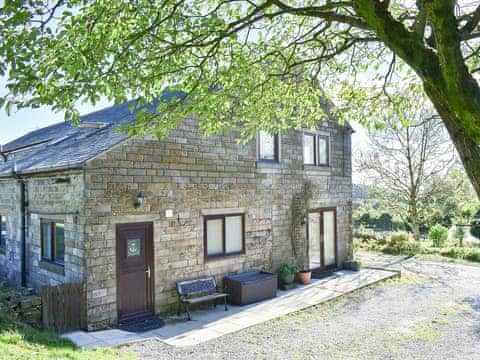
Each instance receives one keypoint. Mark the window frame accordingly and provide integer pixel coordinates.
(276, 148)
(3, 241)
(314, 136)
(53, 241)
(316, 151)
(223, 254)
(327, 139)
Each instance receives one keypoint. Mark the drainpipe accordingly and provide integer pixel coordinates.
(23, 224)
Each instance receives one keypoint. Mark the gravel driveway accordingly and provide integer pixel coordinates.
(432, 312)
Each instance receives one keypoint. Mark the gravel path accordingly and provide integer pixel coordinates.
(432, 312)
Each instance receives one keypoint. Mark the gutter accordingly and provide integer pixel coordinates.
(78, 166)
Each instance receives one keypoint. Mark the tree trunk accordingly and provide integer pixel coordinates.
(414, 220)
(416, 229)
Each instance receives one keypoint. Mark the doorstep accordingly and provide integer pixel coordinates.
(208, 324)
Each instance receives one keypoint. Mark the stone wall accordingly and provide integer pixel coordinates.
(23, 304)
(10, 257)
(47, 199)
(61, 201)
(194, 176)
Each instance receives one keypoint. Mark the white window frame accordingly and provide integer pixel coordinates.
(317, 136)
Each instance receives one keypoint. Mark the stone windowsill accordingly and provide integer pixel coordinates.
(268, 163)
(52, 267)
(210, 259)
(319, 169)
(268, 166)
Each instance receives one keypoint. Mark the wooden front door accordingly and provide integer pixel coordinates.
(322, 238)
(135, 283)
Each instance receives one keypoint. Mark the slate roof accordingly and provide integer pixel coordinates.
(65, 146)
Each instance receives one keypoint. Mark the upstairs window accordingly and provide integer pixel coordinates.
(3, 231)
(224, 235)
(53, 241)
(316, 149)
(323, 147)
(309, 157)
(268, 148)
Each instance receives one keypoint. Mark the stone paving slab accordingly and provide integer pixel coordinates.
(209, 324)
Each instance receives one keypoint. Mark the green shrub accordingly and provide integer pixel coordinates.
(455, 252)
(472, 255)
(401, 243)
(364, 219)
(399, 238)
(438, 234)
(475, 229)
(287, 269)
(384, 222)
(452, 252)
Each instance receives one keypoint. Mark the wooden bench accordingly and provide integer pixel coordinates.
(197, 291)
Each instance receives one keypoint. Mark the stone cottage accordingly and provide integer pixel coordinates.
(130, 216)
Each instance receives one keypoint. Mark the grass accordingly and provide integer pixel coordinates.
(19, 340)
(450, 250)
(426, 331)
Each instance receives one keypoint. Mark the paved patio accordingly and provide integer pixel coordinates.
(208, 324)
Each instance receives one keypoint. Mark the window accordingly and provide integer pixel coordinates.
(309, 149)
(315, 149)
(53, 241)
(268, 148)
(3, 231)
(323, 150)
(224, 235)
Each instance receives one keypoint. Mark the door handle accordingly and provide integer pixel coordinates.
(148, 271)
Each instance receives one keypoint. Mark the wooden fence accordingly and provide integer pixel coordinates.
(64, 307)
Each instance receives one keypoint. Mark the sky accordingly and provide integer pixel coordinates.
(26, 120)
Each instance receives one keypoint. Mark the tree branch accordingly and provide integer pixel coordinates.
(472, 23)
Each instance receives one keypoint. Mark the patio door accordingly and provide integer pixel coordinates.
(322, 238)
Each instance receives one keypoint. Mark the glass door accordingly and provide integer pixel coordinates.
(314, 240)
(329, 258)
(322, 238)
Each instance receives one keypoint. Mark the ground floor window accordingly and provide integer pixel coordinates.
(224, 235)
(53, 241)
(3, 231)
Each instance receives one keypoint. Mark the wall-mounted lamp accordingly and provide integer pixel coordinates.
(138, 200)
(304, 218)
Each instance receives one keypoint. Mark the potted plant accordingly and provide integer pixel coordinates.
(287, 273)
(354, 265)
(304, 277)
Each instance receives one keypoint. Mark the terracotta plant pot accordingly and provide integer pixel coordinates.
(304, 277)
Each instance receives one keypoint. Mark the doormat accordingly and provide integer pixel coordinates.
(143, 325)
